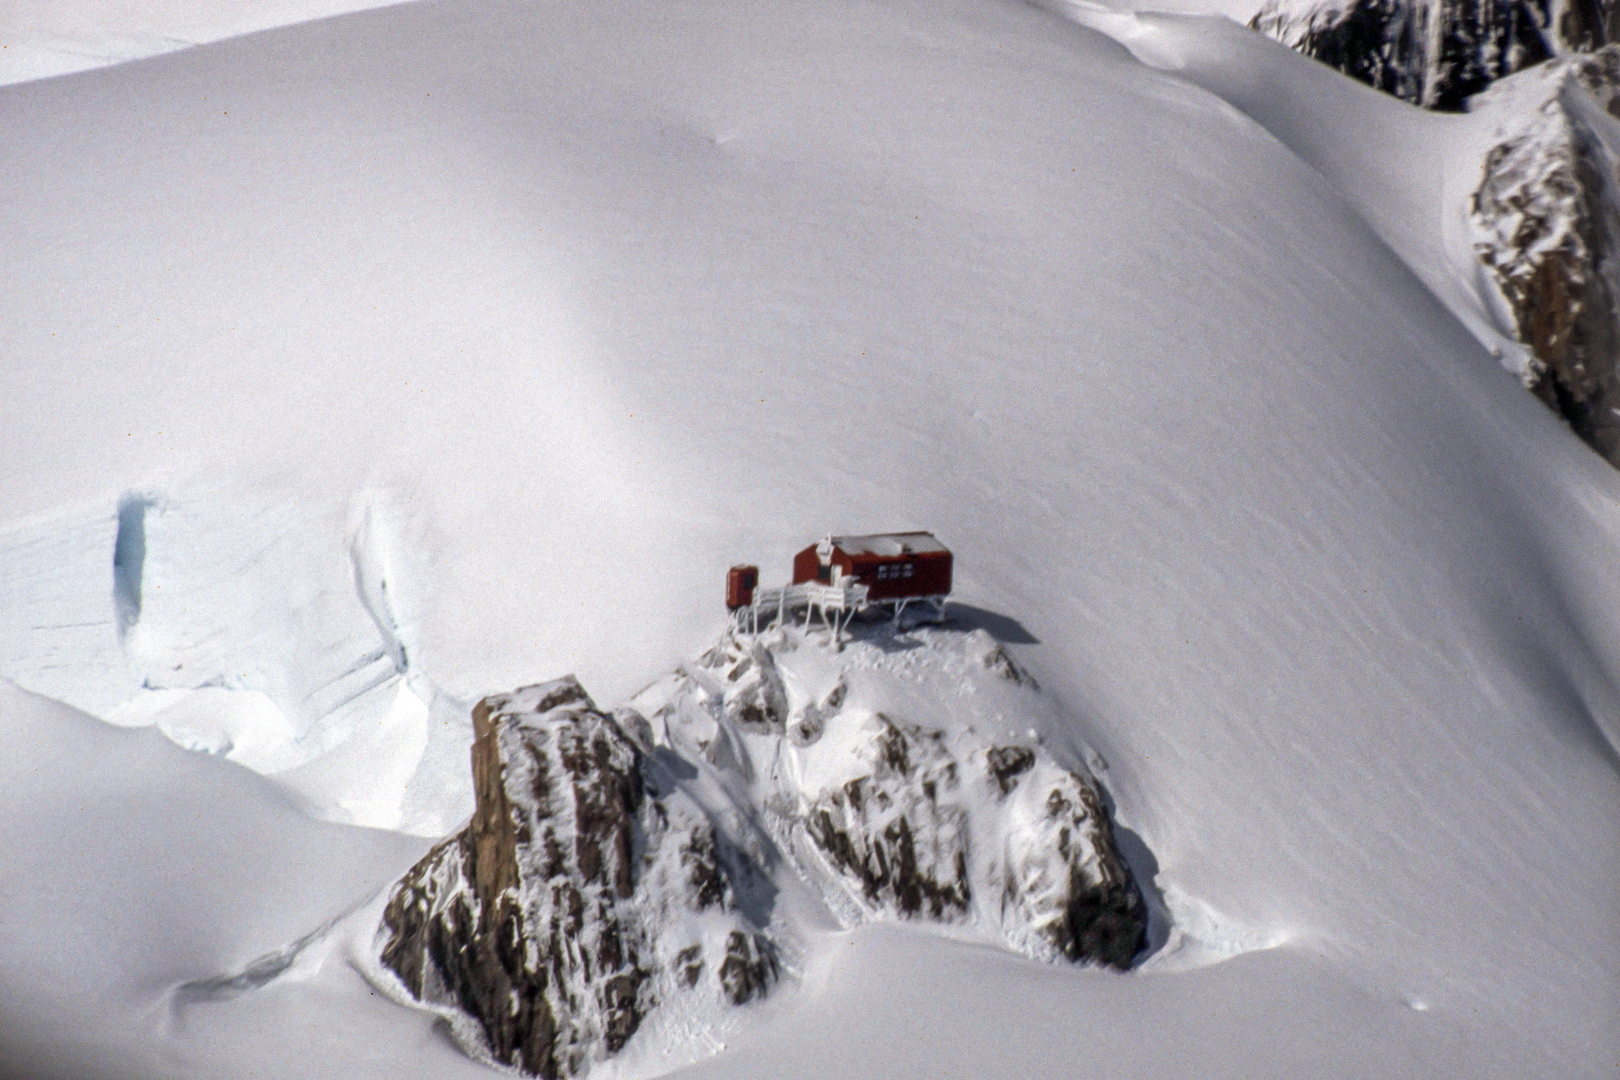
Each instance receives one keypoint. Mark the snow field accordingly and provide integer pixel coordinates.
(613, 297)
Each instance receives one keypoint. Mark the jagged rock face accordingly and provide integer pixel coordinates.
(585, 891)
(892, 828)
(754, 696)
(1435, 53)
(1546, 226)
(899, 831)
(612, 862)
(1066, 890)
(917, 823)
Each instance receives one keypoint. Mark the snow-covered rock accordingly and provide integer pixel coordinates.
(1532, 172)
(1546, 225)
(1434, 53)
(586, 890)
(876, 772)
(607, 868)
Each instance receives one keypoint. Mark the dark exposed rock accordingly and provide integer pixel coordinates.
(1007, 763)
(749, 968)
(1104, 916)
(1547, 228)
(899, 832)
(540, 921)
(889, 830)
(1435, 53)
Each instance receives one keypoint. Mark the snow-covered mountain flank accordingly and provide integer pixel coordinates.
(355, 372)
(1545, 201)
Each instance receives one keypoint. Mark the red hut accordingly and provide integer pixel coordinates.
(741, 581)
(892, 566)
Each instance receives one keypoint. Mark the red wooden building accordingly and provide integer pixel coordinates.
(892, 566)
(741, 581)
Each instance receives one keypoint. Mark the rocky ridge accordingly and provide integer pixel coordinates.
(622, 864)
(1435, 53)
(1546, 227)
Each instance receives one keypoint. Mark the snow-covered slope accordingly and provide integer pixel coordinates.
(1505, 214)
(150, 892)
(43, 38)
(610, 296)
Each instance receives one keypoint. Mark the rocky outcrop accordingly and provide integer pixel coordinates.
(1546, 223)
(754, 697)
(893, 828)
(1065, 890)
(1546, 213)
(903, 830)
(586, 890)
(1435, 53)
(617, 871)
(920, 822)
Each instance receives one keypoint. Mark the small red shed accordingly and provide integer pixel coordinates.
(741, 581)
(892, 566)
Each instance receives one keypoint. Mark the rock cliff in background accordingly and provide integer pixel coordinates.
(1546, 221)
(585, 891)
(1546, 212)
(1435, 53)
